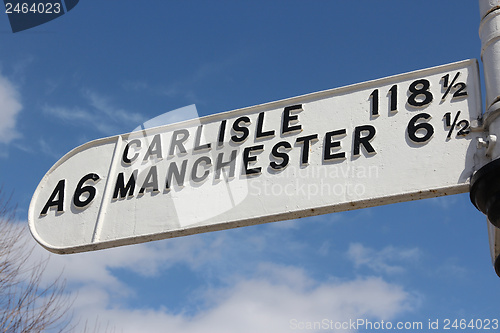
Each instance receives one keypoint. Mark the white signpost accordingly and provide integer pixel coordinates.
(399, 138)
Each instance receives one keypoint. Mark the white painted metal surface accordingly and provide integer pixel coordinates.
(395, 139)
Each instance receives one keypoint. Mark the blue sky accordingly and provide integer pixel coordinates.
(103, 69)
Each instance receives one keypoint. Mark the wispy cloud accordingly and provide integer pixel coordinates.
(99, 112)
(67, 114)
(388, 260)
(103, 104)
(48, 149)
(445, 203)
(10, 106)
(451, 267)
(185, 87)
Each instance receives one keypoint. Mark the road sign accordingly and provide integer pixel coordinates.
(399, 138)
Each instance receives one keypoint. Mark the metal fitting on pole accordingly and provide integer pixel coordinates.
(485, 183)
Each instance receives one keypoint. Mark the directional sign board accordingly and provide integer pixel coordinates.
(399, 138)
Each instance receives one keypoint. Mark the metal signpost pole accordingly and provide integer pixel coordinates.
(485, 184)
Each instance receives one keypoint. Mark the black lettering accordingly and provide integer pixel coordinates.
(179, 175)
(222, 130)
(365, 140)
(260, 124)
(241, 129)
(197, 145)
(150, 181)
(329, 144)
(121, 189)
(178, 142)
(125, 158)
(247, 159)
(283, 155)
(306, 142)
(80, 189)
(425, 129)
(194, 176)
(59, 203)
(287, 118)
(220, 164)
(154, 148)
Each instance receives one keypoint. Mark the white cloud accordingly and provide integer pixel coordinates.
(10, 106)
(387, 260)
(266, 301)
(252, 296)
(271, 302)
